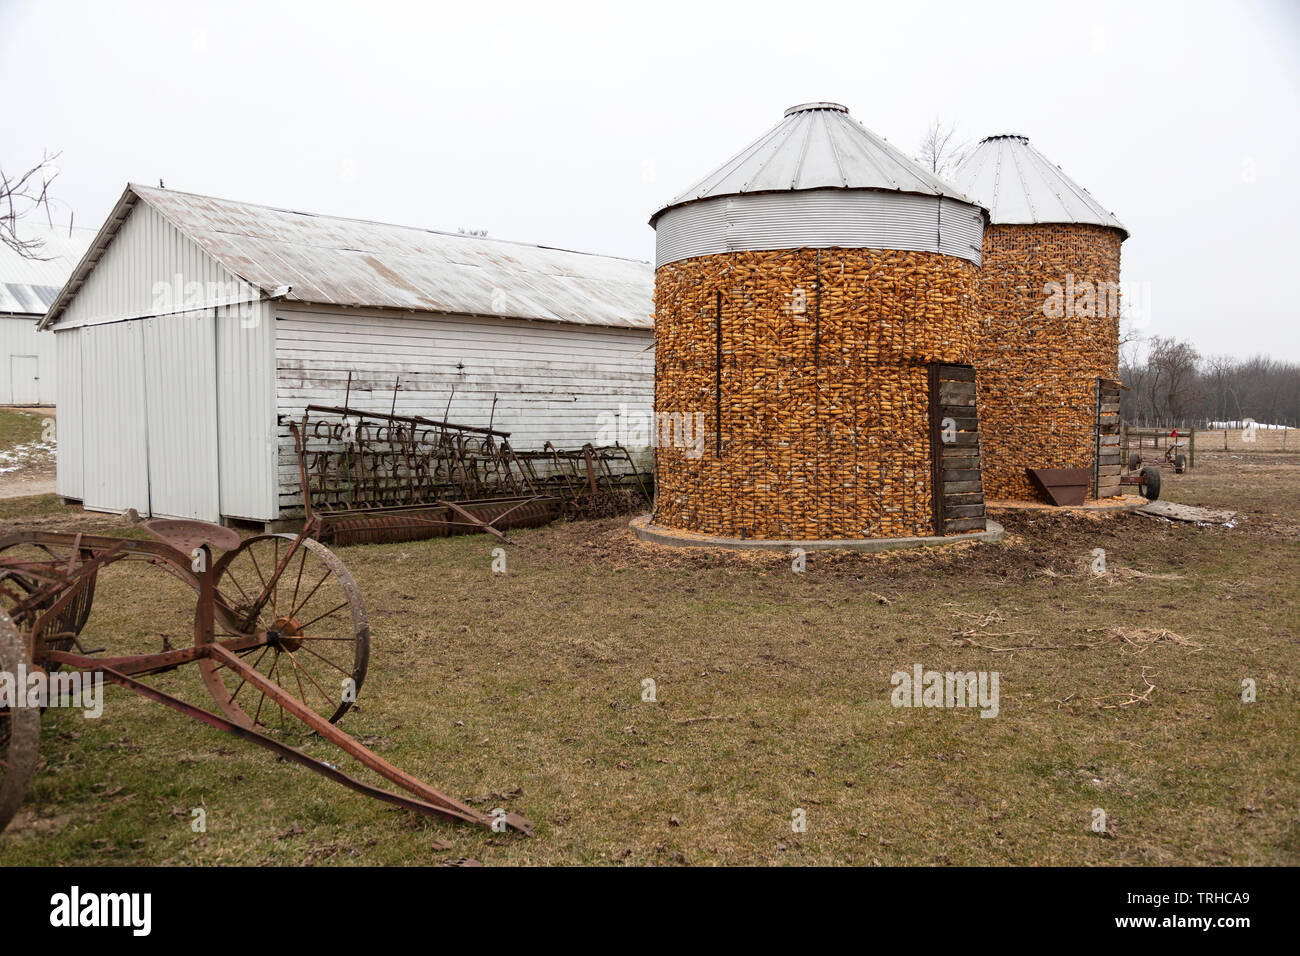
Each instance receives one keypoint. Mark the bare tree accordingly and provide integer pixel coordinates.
(942, 149)
(1215, 377)
(1172, 385)
(20, 197)
(1173, 365)
(1133, 373)
(1130, 339)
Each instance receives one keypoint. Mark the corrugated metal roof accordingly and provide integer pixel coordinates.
(820, 219)
(817, 146)
(28, 286)
(349, 262)
(1019, 185)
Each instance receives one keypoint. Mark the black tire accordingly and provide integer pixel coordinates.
(1180, 464)
(1150, 486)
(1134, 460)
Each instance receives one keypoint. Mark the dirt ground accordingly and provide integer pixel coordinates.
(26, 455)
(1120, 693)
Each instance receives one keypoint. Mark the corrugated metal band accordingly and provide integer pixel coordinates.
(820, 219)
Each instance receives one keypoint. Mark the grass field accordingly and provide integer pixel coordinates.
(1120, 692)
(18, 428)
(1237, 440)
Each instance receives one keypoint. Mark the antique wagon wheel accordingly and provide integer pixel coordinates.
(318, 637)
(26, 570)
(19, 729)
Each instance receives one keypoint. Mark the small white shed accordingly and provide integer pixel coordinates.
(195, 329)
(28, 284)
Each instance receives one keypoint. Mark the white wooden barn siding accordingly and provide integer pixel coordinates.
(146, 250)
(171, 415)
(18, 336)
(246, 408)
(552, 380)
(176, 414)
(69, 479)
(180, 410)
(114, 444)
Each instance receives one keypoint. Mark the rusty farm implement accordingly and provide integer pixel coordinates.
(277, 630)
(369, 477)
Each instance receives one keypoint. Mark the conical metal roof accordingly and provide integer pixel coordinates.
(816, 146)
(1019, 185)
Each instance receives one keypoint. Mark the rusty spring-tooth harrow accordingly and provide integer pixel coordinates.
(369, 477)
(591, 481)
(274, 614)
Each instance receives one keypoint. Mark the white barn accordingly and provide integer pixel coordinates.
(27, 287)
(195, 329)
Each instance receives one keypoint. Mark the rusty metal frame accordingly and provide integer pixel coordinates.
(431, 802)
(370, 477)
(52, 587)
(351, 459)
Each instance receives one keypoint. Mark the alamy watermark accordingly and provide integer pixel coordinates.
(637, 429)
(177, 295)
(951, 689)
(74, 908)
(37, 688)
(1097, 299)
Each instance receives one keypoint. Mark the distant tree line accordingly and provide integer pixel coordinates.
(1172, 384)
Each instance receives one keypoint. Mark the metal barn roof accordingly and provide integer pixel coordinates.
(328, 260)
(28, 286)
(1019, 185)
(817, 146)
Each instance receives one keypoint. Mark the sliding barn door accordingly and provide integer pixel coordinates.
(114, 423)
(180, 392)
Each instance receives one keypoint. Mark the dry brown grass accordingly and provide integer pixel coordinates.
(1233, 440)
(523, 690)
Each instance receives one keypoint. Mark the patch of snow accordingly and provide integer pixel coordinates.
(11, 459)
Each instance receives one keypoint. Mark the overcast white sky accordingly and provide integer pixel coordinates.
(568, 124)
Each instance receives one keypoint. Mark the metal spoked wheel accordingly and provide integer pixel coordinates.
(19, 729)
(318, 639)
(32, 566)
